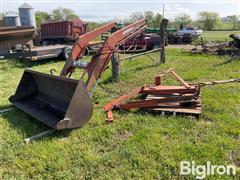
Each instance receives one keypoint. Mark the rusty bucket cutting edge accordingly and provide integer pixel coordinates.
(58, 102)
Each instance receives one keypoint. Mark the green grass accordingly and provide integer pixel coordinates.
(218, 35)
(225, 25)
(138, 144)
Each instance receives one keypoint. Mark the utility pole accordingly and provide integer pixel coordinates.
(163, 10)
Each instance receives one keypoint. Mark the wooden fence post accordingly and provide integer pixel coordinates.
(115, 67)
(163, 27)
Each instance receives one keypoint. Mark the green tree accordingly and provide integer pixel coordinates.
(208, 20)
(183, 19)
(236, 23)
(149, 16)
(62, 14)
(42, 17)
(136, 16)
(157, 20)
(94, 25)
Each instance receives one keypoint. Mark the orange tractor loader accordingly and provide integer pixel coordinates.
(64, 103)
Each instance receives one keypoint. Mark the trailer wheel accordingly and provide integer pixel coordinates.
(179, 41)
(45, 43)
(67, 52)
(172, 40)
(156, 46)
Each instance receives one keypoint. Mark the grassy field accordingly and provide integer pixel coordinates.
(218, 35)
(138, 144)
(225, 25)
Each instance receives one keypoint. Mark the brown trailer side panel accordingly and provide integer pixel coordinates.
(63, 29)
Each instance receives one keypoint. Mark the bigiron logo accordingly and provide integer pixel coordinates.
(202, 171)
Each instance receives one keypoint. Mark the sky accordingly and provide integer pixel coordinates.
(104, 10)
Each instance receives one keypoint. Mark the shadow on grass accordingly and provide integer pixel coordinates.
(228, 61)
(167, 114)
(155, 114)
(27, 125)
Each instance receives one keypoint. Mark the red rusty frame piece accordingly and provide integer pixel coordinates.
(177, 77)
(158, 80)
(169, 90)
(100, 61)
(116, 102)
(181, 94)
(180, 79)
(81, 44)
(155, 102)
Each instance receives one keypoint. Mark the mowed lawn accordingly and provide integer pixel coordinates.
(218, 35)
(137, 144)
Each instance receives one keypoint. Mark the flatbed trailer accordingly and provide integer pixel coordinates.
(35, 53)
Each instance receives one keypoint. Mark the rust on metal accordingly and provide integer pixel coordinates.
(176, 99)
(168, 90)
(81, 44)
(122, 98)
(64, 103)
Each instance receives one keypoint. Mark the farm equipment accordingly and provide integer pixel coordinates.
(16, 42)
(11, 36)
(157, 30)
(183, 35)
(61, 32)
(179, 38)
(80, 47)
(64, 103)
(142, 42)
(231, 48)
(184, 99)
(26, 52)
(209, 48)
(52, 40)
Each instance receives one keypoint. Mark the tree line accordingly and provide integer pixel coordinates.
(206, 20)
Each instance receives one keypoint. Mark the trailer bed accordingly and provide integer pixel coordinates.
(36, 53)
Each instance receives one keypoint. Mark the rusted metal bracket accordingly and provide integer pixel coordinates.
(116, 102)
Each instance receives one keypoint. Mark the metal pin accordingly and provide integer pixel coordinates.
(5, 110)
(40, 135)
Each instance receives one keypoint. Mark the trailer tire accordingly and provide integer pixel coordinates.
(67, 52)
(179, 40)
(172, 40)
(45, 43)
(156, 46)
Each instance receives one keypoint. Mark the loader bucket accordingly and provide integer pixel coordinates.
(58, 102)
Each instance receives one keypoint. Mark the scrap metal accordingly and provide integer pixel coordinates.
(231, 48)
(181, 99)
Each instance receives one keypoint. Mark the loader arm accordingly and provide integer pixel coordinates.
(81, 44)
(65, 103)
(100, 61)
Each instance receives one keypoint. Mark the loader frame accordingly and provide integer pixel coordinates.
(64, 103)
